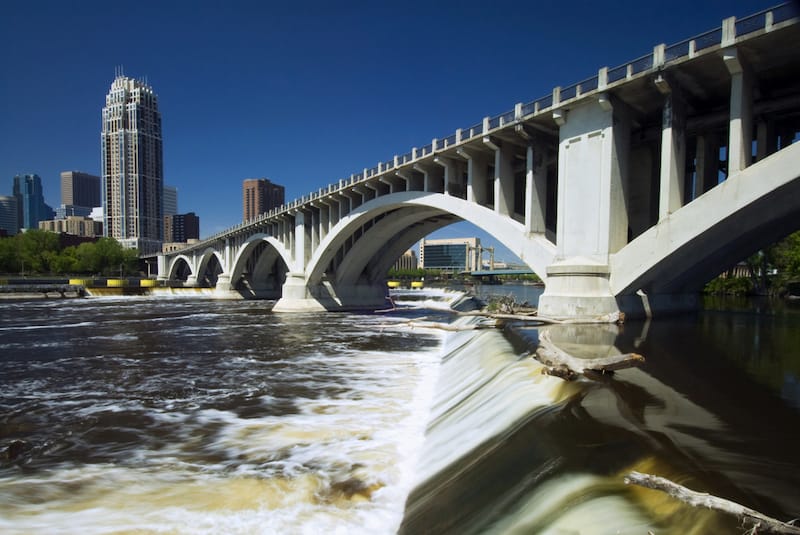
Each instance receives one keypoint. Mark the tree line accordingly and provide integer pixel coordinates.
(771, 271)
(39, 252)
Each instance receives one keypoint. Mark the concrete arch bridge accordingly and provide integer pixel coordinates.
(627, 191)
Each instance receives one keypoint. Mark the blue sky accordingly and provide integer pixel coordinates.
(304, 93)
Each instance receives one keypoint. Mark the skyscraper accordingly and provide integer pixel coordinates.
(80, 189)
(181, 227)
(170, 201)
(9, 215)
(259, 195)
(133, 176)
(30, 201)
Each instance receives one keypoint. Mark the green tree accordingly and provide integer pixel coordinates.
(66, 261)
(35, 248)
(9, 263)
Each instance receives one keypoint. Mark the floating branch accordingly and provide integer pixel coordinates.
(758, 522)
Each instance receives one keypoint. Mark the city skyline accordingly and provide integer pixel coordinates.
(256, 90)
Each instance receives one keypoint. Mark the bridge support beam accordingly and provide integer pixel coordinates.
(503, 177)
(706, 164)
(740, 150)
(477, 165)
(592, 216)
(535, 190)
(673, 149)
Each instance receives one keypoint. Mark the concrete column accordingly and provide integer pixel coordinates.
(535, 190)
(324, 218)
(315, 228)
(766, 139)
(476, 175)
(673, 152)
(162, 267)
(302, 240)
(414, 182)
(345, 206)
(433, 178)
(449, 168)
(706, 167)
(740, 140)
(288, 232)
(224, 278)
(503, 176)
(592, 217)
(390, 183)
(644, 169)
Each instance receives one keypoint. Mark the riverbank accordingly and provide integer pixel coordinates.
(42, 291)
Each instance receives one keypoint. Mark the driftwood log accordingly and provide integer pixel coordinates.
(562, 364)
(757, 522)
(449, 326)
(533, 317)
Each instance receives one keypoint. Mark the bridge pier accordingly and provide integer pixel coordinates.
(592, 212)
(299, 296)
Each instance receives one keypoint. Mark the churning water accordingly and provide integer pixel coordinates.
(154, 415)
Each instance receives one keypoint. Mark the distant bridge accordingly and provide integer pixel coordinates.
(497, 272)
(626, 191)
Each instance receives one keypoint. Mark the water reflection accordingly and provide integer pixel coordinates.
(705, 407)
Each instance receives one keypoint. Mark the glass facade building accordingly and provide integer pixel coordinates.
(31, 207)
(456, 255)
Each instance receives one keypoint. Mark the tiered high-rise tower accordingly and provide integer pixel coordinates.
(133, 169)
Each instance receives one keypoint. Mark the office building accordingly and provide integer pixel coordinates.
(68, 210)
(132, 165)
(74, 226)
(170, 201)
(259, 195)
(31, 207)
(80, 189)
(9, 215)
(180, 228)
(407, 261)
(456, 255)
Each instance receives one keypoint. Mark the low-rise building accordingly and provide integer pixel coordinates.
(74, 225)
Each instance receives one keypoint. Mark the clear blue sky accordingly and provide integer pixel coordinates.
(304, 93)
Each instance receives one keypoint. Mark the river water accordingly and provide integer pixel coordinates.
(190, 415)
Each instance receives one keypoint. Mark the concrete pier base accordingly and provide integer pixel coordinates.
(577, 290)
(298, 296)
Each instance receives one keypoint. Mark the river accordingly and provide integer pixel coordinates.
(176, 415)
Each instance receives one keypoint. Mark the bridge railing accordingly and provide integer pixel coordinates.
(762, 20)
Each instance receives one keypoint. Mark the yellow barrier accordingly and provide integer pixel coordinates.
(148, 283)
(80, 282)
(417, 284)
(393, 284)
(116, 283)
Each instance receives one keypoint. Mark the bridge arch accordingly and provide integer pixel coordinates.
(260, 267)
(210, 266)
(396, 221)
(181, 268)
